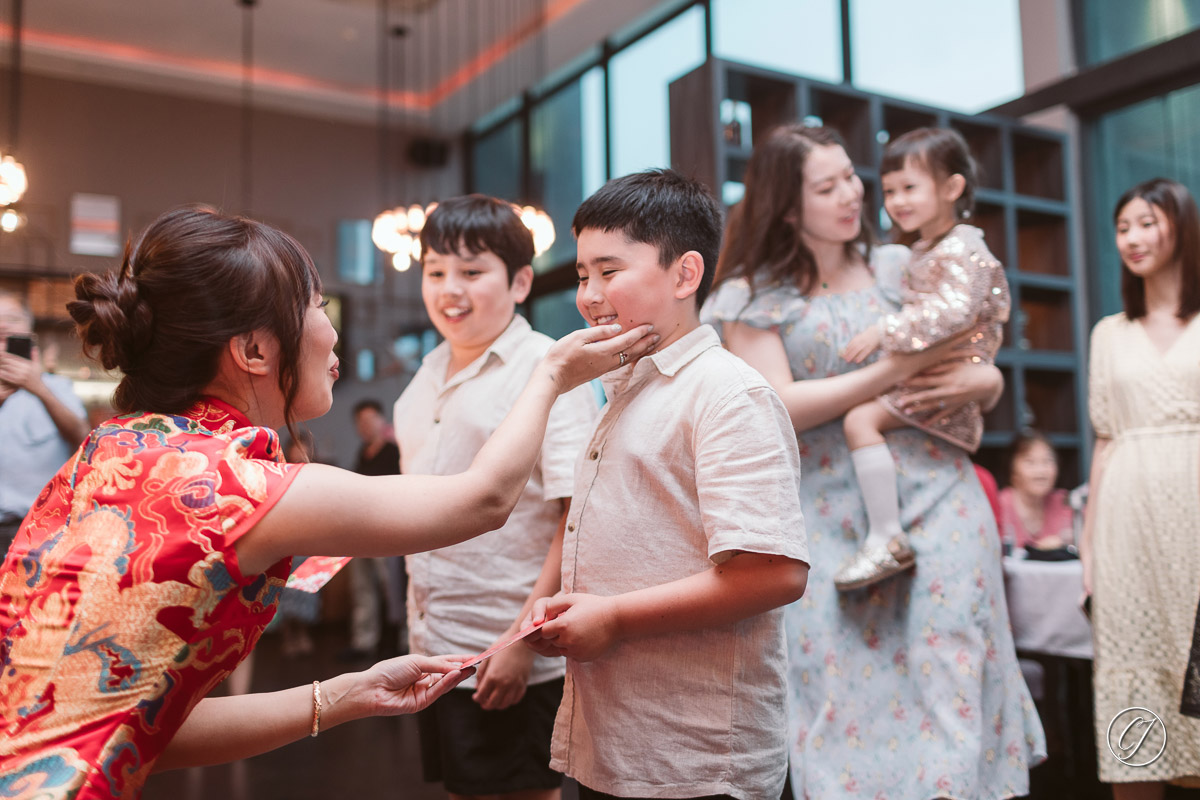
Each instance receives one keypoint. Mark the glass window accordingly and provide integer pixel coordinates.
(497, 161)
(639, 76)
(567, 151)
(1113, 28)
(964, 55)
(801, 37)
(356, 252)
(555, 314)
(1156, 138)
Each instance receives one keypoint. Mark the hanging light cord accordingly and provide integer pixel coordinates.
(247, 104)
(14, 76)
(385, 164)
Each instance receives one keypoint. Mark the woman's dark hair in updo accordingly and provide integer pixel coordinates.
(192, 281)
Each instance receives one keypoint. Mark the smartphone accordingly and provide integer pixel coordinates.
(21, 346)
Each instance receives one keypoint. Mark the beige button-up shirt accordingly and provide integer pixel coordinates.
(462, 598)
(693, 459)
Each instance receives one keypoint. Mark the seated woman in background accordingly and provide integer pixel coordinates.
(1033, 513)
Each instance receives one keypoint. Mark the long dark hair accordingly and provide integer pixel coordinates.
(192, 281)
(1178, 206)
(762, 239)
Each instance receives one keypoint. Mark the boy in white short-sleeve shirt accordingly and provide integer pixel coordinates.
(684, 536)
(490, 737)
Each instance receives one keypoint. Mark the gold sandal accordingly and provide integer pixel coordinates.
(872, 564)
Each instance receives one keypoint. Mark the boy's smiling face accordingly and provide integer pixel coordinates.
(468, 296)
(623, 281)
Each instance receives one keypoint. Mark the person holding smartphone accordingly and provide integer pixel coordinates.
(41, 419)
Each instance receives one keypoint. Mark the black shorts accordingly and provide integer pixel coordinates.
(591, 794)
(473, 751)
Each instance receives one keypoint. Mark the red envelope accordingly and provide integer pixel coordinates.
(315, 572)
(496, 648)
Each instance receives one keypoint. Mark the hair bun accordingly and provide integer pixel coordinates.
(113, 320)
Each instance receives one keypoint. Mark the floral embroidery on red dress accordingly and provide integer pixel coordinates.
(121, 602)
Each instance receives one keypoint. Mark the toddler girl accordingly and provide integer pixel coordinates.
(953, 287)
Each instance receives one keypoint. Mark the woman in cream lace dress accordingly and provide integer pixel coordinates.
(1141, 551)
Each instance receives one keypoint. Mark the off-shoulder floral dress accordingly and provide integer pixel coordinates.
(909, 689)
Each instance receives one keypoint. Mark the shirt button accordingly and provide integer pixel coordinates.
(595, 455)
(421, 615)
(570, 526)
(436, 420)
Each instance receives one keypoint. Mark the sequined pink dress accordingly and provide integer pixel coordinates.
(955, 285)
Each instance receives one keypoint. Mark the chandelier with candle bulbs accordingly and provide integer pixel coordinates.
(398, 231)
(13, 181)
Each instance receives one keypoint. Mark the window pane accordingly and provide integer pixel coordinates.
(1113, 28)
(639, 77)
(356, 252)
(566, 142)
(804, 37)
(555, 314)
(496, 162)
(1148, 140)
(963, 55)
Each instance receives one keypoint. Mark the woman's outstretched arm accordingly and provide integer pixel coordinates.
(330, 511)
(222, 729)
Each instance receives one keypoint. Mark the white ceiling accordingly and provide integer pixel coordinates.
(320, 57)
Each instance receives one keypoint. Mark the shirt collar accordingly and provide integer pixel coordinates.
(668, 362)
(504, 347)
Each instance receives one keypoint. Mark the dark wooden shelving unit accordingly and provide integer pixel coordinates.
(1023, 205)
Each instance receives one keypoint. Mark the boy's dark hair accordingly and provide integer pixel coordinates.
(659, 207)
(363, 405)
(480, 224)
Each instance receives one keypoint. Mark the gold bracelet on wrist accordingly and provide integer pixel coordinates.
(316, 721)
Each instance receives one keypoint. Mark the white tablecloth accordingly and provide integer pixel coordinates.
(1043, 606)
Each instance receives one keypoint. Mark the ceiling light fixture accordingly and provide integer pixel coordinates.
(13, 180)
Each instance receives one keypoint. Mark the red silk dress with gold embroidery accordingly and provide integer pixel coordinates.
(121, 601)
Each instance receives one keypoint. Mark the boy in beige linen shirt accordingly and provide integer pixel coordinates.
(491, 738)
(685, 534)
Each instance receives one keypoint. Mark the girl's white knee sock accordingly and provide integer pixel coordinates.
(877, 481)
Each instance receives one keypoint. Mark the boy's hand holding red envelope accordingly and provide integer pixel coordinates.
(577, 625)
(502, 678)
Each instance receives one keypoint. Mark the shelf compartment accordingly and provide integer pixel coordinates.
(899, 120)
(850, 116)
(986, 143)
(1045, 320)
(989, 218)
(1050, 401)
(1004, 416)
(772, 101)
(1038, 166)
(1042, 243)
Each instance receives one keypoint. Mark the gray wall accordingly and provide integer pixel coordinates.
(156, 151)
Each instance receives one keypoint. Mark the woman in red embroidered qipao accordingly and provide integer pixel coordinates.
(150, 564)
